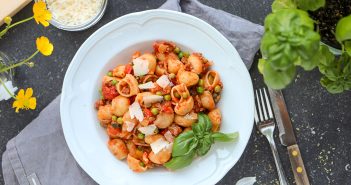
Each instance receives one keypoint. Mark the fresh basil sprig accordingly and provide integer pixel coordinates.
(197, 141)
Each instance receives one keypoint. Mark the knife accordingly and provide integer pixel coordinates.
(287, 136)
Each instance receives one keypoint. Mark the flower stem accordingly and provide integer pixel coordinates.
(19, 63)
(7, 90)
(4, 31)
(20, 22)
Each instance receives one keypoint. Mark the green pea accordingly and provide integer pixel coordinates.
(154, 111)
(176, 95)
(142, 164)
(114, 82)
(141, 136)
(201, 82)
(120, 120)
(109, 73)
(200, 90)
(185, 95)
(167, 97)
(218, 89)
(186, 54)
(159, 93)
(114, 118)
(171, 75)
(176, 50)
(180, 55)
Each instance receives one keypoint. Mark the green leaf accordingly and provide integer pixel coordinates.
(310, 4)
(332, 86)
(282, 4)
(232, 137)
(180, 162)
(205, 145)
(184, 144)
(203, 125)
(343, 29)
(347, 46)
(276, 79)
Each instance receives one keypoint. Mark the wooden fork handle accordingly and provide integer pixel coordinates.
(297, 165)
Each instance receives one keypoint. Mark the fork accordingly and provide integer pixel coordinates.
(265, 124)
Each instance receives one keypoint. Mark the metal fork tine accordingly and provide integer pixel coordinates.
(263, 107)
(270, 113)
(256, 116)
(259, 106)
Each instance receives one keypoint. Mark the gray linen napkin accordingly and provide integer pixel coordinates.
(39, 154)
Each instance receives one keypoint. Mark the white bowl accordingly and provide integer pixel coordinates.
(114, 44)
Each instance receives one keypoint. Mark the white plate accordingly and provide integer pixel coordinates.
(114, 44)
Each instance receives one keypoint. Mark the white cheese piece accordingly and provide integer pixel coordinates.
(140, 67)
(190, 116)
(169, 137)
(4, 95)
(130, 125)
(148, 85)
(148, 100)
(148, 130)
(136, 112)
(163, 81)
(159, 145)
(74, 12)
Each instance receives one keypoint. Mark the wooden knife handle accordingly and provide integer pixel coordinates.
(297, 165)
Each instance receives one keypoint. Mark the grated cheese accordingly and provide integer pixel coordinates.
(148, 85)
(130, 125)
(148, 130)
(163, 81)
(136, 112)
(74, 12)
(140, 67)
(148, 100)
(159, 145)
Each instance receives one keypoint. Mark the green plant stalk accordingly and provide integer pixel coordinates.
(7, 90)
(4, 31)
(19, 63)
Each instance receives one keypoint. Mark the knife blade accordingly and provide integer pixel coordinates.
(287, 136)
(286, 132)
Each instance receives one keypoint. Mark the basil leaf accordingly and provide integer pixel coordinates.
(310, 4)
(205, 145)
(282, 4)
(343, 29)
(276, 79)
(184, 144)
(218, 136)
(180, 162)
(203, 125)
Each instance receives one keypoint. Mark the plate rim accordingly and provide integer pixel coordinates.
(86, 45)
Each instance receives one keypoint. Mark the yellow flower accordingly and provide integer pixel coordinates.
(25, 100)
(41, 14)
(7, 20)
(44, 46)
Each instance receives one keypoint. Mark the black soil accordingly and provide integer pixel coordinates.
(327, 18)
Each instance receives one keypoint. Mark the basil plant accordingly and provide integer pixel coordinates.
(291, 41)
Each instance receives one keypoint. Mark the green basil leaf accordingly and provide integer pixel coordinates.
(274, 78)
(203, 125)
(332, 87)
(205, 145)
(347, 46)
(310, 4)
(184, 144)
(343, 29)
(180, 162)
(282, 4)
(218, 136)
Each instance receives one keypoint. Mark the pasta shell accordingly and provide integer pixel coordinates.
(128, 86)
(187, 78)
(211, 79)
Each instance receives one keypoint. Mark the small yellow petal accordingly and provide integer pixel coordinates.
(29, 93)
(44, 46)
(41, 14)
(20, 94)
(294, 153)
(32, 103)
(299, 169)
